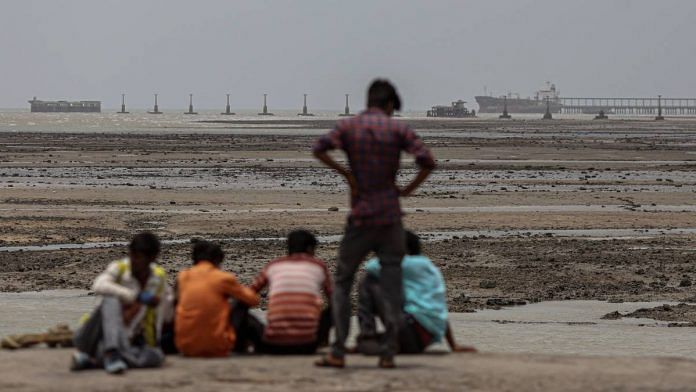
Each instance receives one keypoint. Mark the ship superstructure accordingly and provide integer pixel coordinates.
(38, 106)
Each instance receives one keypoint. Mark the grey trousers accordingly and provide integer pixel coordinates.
(104, 331)
(388, 242)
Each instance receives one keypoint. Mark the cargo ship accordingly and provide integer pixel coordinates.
(38, 106)
(515, 104)
(457, 109)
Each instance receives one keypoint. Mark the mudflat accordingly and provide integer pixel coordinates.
(518, 211)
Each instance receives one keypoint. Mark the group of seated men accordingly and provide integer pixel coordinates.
(139, 317)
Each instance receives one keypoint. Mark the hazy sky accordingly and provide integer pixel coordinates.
(435, 51)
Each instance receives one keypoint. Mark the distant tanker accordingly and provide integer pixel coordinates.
(537, 104)
(38, 106)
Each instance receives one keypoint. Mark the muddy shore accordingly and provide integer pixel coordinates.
(518, 211)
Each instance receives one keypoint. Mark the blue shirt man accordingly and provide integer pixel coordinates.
(424, 316)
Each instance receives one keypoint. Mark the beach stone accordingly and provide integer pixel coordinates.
(686, 282)
(333, 209)
(487, 284)
(615, 315)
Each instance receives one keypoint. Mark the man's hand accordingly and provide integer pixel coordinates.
(328, 161)
(129, 312)
(422, 175)
(149, 299)
(352, 183)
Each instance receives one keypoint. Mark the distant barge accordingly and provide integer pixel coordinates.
(38, 106)
(457, 109)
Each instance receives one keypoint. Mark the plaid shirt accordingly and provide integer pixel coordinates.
(373, 143)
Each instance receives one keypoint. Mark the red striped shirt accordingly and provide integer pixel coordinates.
(295, 284)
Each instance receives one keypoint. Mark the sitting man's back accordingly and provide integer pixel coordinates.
(296, 323)
(203, 326)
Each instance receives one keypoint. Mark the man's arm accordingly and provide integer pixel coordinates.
(422, 176)
(236, 290)
(424, 158)
(454, 346)
(106, 284)
(326, 159)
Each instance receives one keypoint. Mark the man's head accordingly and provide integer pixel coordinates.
(382, 95)
(207, 251)
(143, 250)
(301, 241)
(413, 246)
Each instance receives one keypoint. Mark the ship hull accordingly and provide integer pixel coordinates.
(515, 105)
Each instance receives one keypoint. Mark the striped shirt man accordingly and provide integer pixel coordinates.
(295, 283)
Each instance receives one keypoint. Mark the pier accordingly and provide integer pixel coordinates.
(123, 104)
(346, 112)
(227, 108)
(629, 106)
(155, 109)
(190, 110)
(265, 108)
(304, 108)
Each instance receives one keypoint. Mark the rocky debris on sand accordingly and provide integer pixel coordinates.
(487, 284)
(497, 303)
(681, 315)
(333, 209)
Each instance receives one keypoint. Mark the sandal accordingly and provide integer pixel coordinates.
(386, 363)
(330, 362)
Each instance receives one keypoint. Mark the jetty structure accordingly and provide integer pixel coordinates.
(659, 116)
(190, 110)
(505, 114)
(547, 115)
(346, 112)
(155, 109)
(227, 108)
(456, 109)
(304, 108)
(265, 108)
(38, 106)
(123, 104)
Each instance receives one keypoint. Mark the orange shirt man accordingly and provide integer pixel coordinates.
(202, 326)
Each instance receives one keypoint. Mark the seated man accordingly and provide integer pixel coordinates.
(124, 330)
(424, 317)
(203, 325)
(296, 323)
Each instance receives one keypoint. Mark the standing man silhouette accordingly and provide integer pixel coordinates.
(373, 142)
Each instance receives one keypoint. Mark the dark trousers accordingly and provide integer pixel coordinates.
(249, 330)
(388, 242)
(370, 307)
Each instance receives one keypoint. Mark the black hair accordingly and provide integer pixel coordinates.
(145, 243)
(208, 251)
(301, 241)
(413, 245)
(381, 93)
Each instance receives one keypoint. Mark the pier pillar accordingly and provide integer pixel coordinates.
(265, 108)
(347, 108)
(659, 109)
(123, 104)
(304, 108)
(227, 108)
(547, 115)
(505, 112)
(156, 108)
(190, 111)
(601, 116)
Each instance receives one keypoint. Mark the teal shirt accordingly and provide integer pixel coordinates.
(424, 293)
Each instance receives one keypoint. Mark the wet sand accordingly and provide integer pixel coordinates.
(45, 370)
(523, 211)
